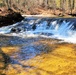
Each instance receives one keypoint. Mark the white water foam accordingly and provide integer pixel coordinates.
(63, 31)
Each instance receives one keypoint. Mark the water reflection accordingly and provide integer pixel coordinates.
(29, 51)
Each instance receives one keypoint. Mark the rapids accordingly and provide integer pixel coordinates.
(26, 47)
(42, 27)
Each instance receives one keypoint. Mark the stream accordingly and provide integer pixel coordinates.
(38, 46)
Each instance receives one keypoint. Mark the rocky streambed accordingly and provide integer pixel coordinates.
(36, 56)
(42, 46)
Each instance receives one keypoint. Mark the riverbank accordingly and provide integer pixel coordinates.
(47, 12)
(8, 17)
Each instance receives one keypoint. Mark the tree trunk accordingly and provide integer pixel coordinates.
(54, 6)
(71, 5)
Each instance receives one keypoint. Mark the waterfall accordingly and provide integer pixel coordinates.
(34, 27)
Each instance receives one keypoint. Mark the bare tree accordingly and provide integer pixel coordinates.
(63, 6)
(29, 5)
(71, 5)
(54, 6)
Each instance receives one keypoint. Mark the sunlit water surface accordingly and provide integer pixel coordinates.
(38, 46)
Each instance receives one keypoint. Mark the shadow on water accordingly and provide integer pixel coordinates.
(10, 40)
(4, 61)
(30, 47)
(14, 40)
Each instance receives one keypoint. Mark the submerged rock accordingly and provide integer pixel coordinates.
(15, 30)
(34, 27)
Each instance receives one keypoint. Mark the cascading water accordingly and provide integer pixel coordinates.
(35, 27)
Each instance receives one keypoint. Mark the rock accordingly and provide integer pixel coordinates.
(10, 19)
(13, 30)
(60, 21)
(60, 15)
(16, 30)
(73, 14)
(34, 27)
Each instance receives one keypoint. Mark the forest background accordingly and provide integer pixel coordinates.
(35, 7)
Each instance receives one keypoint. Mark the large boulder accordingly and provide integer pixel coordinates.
(10, 18)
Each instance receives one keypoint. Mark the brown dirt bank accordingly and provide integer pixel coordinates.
(10, 18)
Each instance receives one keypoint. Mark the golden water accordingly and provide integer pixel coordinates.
(60, 59)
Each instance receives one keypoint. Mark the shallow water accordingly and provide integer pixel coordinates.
(40, 57)
(47, 49)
